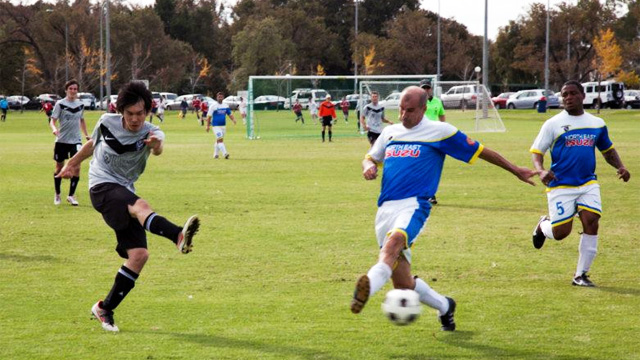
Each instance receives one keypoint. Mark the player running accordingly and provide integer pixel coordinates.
(217, 116)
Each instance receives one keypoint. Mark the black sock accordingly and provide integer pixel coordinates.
(73, 185)
(322, 135)
(125, 281)
(57, 182)
(158, 225)
(329, 135)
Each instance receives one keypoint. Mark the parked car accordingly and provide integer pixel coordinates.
(269, 102)
(33, 104)
(560, 100)
(233, 102)
(173, 105)
(500, 101)
(103, 103)
(632, 99)
(353, 100)
(392, 101)
(611, 94)
(17, 101)
(88, 99)
(169, 99)
(528, 99)
(51, 98)
(304, 95)
(460, 97)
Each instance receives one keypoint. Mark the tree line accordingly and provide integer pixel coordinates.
(189, 46)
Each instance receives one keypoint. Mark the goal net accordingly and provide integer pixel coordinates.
(271, 99)
(467, 104)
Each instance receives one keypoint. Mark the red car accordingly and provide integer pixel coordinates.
(500, 101)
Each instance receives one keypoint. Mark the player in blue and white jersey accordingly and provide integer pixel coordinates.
(217, 116)
(121, 145)
(70, 114)
(412, 155)
(571, 137)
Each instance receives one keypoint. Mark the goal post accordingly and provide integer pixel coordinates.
(269, 101)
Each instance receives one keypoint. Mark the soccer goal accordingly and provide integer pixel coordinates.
(467, 104)
(271, 99)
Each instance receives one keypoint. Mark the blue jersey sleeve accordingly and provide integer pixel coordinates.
(461, 147)
(228, 111)
(604, 143)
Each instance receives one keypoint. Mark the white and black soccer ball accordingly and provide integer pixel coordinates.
(402, 307)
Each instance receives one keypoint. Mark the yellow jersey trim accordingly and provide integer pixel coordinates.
(570, 219)
(581, 207)
(476, 155)
(607, 150)
(536, 151)
(590, 182)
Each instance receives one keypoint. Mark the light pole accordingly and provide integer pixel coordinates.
(438, 62)
(546, 54)
(101, 55)
(355, 50)
(108, 53)
(485, 60)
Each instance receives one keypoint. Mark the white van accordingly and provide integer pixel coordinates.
(611, 94)
(304, 96)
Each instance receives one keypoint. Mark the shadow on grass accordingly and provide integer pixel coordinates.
(464, 340)
(478, 207)
(619, 290)
(28, 258)
(223, 342)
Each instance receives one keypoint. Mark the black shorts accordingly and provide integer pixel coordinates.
(298, 113)
(4, 111)
(62, 151)
(112, 201)
(372, 136)
(154, 110)
(327, 121)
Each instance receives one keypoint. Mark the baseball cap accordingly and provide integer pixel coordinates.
(425, 83)
(328, 96)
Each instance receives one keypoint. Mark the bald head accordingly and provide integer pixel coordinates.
(413, 104)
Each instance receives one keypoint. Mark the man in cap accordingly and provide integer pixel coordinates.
(435, 109)
(328, 114)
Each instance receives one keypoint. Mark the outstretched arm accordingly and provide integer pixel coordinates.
(522, 173)
(154, 143)
(613, 159)
(369, 169)
(72, 167)
(538, 163)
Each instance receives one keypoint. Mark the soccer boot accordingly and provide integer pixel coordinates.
(185, 239)
(72, 200)
(226, 156)
(104, 316)
(448, 324)
(57, 200)
(538, 237)
(583, 280)
(433, 200)
(360, 294)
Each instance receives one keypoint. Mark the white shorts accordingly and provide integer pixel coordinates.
(314, 112)
(408, 216)
(564, 203)
(219, 131)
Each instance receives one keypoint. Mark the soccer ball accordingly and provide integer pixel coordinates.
(402, 307)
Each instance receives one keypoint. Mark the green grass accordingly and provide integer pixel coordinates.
(287, 226)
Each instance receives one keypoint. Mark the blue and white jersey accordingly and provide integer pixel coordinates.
(413, 158)
(218, 113)
(571, 141)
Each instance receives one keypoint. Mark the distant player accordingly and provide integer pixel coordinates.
(344, 105)
(47, 108)
(120, 146)
(217, 117)
(70, 112)
(243, 110)
(412, 156)
(435, 108)
(162, 103)
(372, 118)
(313, 110)
(184, 105)
(328, 114)
(297, 109)
(154, 110)
(196, 103)
(4, 106)
(205, 110)
(571, 137)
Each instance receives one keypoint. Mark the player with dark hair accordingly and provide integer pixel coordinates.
(70, 112)
(412, 155)
(571, 137)
(120, 145)
(217, 116)
(372, 118)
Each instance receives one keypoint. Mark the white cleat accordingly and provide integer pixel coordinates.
(185, 239)
(72, 200)
(56, 200)
(105, 317)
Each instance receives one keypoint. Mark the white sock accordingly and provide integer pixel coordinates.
(430, 297)
(547, 229)
(378, 275)
(223, 149)
(215, 149)
(588, 249)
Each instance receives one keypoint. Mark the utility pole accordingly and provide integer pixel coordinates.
(101, 55)
(485, 61)
(439, 39)
(546, 54)
(108, 54)
(355, 58)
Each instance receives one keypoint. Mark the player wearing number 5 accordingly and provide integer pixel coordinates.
(571, 137)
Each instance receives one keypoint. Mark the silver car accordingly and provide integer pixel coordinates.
(529, 99)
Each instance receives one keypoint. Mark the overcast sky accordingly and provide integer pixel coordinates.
(467, 12)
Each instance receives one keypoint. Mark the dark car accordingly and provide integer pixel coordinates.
(500, 101)
(33, 104)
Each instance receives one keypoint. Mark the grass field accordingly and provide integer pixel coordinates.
(287, 227)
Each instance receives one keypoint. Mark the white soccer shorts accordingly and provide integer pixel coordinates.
(219, 131)
(565, 202)
(408, 216)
